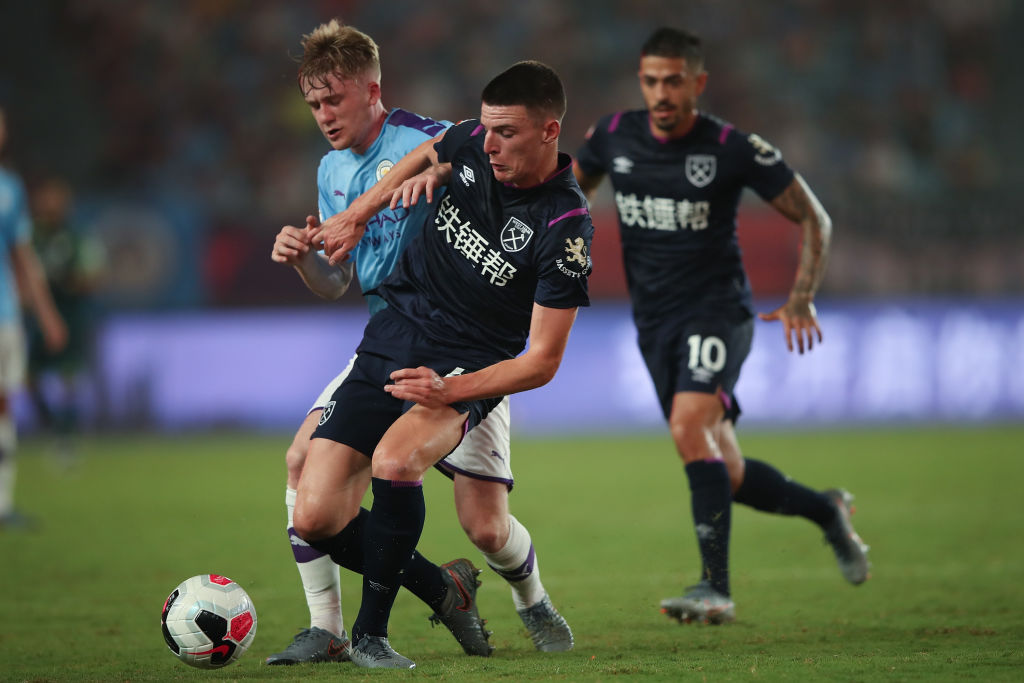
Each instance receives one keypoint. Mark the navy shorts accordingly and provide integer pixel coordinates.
(703, 355)
(360, 411)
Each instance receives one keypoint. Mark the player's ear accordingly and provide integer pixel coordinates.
(552, 129)
(702, 81)
(373, 91)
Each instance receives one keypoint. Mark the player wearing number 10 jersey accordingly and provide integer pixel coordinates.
(678, 175)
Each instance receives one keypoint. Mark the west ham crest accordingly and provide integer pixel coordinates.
(515, 235)
(328, 411)
(700, 169)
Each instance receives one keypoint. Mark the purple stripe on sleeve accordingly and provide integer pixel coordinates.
(582, 211)
(476, 131)
(726, 129)
(406, 119)
(614, 123)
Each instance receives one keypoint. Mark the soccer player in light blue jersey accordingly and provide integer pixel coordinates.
(340, 80)
(20, 273)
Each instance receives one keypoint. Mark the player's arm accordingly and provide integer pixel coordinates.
(798, 203)
(549, 333)
(341, 232)
(588, 183)
(294, 247)
(31, 281)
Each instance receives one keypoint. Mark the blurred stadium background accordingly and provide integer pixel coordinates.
(180, 129)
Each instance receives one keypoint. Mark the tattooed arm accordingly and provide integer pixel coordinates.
(798, 317)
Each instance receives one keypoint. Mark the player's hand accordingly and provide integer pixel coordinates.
(292, 244)
(339, 235)
(419, 385)
(420, 185)
(799, 319)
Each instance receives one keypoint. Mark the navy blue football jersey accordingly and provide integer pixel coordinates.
(490, 251)
(677, 202)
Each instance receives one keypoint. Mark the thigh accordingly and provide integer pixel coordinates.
(485, 453)
(332, 485)
(416, 441)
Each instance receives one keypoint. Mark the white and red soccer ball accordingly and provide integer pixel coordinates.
(208, 621)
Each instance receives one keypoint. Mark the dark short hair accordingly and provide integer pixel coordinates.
(674, 42)
(532, 84)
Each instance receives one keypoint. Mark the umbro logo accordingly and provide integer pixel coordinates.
(466, 176)
(622, 165)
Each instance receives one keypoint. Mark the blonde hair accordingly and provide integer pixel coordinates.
(334, 48)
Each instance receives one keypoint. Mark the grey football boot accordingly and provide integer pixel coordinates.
(851, 552)
(375, 652)
(702, 604)
(548, 629)
(314, 645)
(459, 612)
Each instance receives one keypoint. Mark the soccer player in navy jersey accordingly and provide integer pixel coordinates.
(506, 255)
(340, 81)
(678, 174)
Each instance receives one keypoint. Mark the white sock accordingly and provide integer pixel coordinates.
(320, 577)
(516, 562)
(8, 444)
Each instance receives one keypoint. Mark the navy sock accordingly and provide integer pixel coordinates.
(392, 531)
(422, 577)
(711, 501)
(766, 489)
(346, 547)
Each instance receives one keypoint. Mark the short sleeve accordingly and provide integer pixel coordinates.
(767, 173)
(563, 261)
(455, 137)
(591, 156)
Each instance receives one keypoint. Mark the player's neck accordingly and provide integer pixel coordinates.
(379, 117)
(544, 172)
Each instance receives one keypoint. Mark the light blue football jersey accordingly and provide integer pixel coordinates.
(344, 175)
(15, 228)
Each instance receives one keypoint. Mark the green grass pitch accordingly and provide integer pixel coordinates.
(940, 507)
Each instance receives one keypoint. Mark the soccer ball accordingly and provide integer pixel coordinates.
(208, 621)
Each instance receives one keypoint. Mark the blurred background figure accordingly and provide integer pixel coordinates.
(73, 262)
(21, 280)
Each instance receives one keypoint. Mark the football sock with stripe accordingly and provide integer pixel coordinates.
(711, 502)
(767, 489)
(516, 562)
(392, 531)
(320, 578)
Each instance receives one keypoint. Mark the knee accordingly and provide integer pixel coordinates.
(312, 522)
(488, 534)
(396, 464)
(691, 434)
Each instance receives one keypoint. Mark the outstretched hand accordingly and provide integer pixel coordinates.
(292, 243)
(800, 320)
(419, 385)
